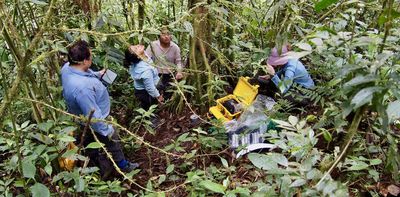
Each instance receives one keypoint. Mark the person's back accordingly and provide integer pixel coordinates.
(84, 93)
(77, 83)
(300, 75)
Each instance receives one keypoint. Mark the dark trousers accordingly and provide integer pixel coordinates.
(164, 85)
(98, 157)
(145, 99)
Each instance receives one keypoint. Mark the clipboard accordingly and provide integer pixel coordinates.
(108, 77)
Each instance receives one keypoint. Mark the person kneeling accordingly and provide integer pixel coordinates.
(286, 72)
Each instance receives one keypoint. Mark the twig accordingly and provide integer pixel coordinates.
(86, 128)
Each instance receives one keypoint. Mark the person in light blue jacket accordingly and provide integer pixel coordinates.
(85, 94)
(284, 72)
(144, 75)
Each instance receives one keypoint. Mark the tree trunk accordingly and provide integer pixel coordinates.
(141, 13)
(200, 50)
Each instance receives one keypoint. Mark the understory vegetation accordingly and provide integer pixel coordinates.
(345, 143)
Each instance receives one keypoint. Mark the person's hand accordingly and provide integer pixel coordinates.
(270, 70)
(265, 77)
(160, 99)
(179, 76)
(102, 72)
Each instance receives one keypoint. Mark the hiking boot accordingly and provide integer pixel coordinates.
(129, 167)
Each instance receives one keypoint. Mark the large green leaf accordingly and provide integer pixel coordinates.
(324, 4)
(393, 110)
(262, 161)
(364, 96)
(40, 190)
(94, 145)
(215, 187)
(359, 80)
(28, 169)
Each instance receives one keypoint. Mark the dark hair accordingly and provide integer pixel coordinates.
(130, 59)
(78, 52)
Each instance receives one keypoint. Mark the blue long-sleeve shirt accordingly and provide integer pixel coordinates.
(145, 77)
(83, 91)
(293, 72)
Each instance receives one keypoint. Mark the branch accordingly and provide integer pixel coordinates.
(348, 140)
(86, 128)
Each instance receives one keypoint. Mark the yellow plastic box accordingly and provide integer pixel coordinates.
(244, 93)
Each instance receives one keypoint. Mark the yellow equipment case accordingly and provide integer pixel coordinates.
(244, 94)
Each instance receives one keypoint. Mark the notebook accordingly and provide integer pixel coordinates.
(109, 77)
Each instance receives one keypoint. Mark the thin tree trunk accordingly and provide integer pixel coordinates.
(141, 13)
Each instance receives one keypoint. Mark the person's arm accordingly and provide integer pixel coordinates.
(178, 59)
(147, 77)
(178, 62)
(87, 101)
(288, 79)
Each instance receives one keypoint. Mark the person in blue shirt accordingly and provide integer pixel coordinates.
(284, 72)
(83, 92)
(145, 76)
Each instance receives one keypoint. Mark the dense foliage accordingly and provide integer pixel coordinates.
(346, 143)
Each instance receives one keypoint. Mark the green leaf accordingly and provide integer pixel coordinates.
(304, 46)
(374, 174)
(48, 169)
(28, 169)
(42, 138)
(170, 168)
(45, 126)
(263, 162)
(215, 187)
(67, 138)
(161, 179)
(327, 135)
(359, 80)
(293, 120)
(298, 183)
(80, 184)
(40, 190)
(224, 162)
(375, 162)
(324, 4)
(280, 159)
(359, 165)
(37, 2)
(69, 130)
(25, 124)
(364, 96)
(393, 110)
(95, 145)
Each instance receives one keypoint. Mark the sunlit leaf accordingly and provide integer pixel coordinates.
(298, 183)
(94, 145)
(28, 169)
(40, 190)
(304, 46)
(215, 187)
